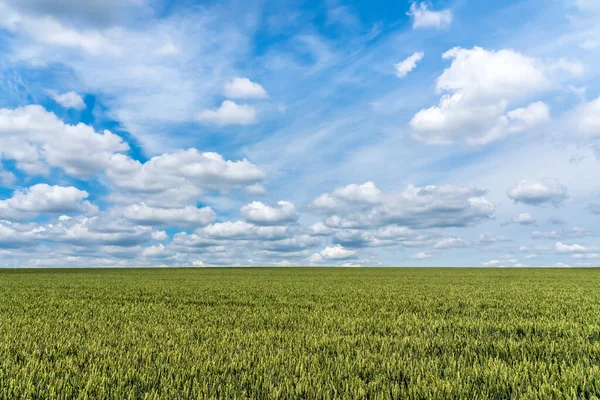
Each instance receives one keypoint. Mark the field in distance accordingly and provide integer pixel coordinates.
(300, 333)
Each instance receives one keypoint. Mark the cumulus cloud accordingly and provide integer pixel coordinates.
(524, 219)
(451, 242)
(492, 263)
(51, 31)
(84, 232)
(488, 238)
(29, 136)
(293, 244)
(356, 238)
(7, 177)
(333, 253)
(178, 178)
(364, 205)
(561, 247)
(240, 230)
(244, 88)
(538, 192)
(527, 117)
(186, 216)
(44, 199)
(261, 214)
(353, 194)
(408, 64)
(68, 100)
(422, 17)
(155, 251)
(436, 206)
(319, 229)
(404, 236)
(421, 256)
(477, 91)
(229, 113)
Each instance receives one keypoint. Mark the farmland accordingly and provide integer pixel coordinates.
(300, 333)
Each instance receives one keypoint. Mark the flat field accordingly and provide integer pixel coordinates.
(300, 333)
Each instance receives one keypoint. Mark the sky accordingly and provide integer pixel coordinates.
(281, 133)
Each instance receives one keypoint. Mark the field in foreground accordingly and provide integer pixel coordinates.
(300, 333)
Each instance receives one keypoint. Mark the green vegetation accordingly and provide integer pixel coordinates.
(300, 333)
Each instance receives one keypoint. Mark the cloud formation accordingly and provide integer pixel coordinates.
(423, 17)
(44, 199)
(261, 214)
(537, 192)
(68, 99)
(408, 64)
(244, 88)
(477, 91)
(229, 113)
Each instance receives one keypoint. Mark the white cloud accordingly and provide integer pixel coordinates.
(538, 192)
(421, 256)
(408, 64)
(229, 113)
(488, 238)
(437, 206)
(335, 221)
(240, 230)
(319, 229)
(68, 100)
(261, 214)
(156, 251)
(502, 261)
(293, 244)
(42, 198)
(6, 177)
(244, 88)
(35, 138)
(367, 193)
(179, 178)
(256, 189)
(186, 216)
(585, 119)
(478, 73)
(527, 117)
(451, 242)
(103, 230)
(492, 263)
(357, 238)
(84, 232)
(159, 235)
(50, 31)
(575, 232)
(477, 90)
(427, 207)
(333, 253)
(573, 248)
(524, 219)
(422, 17)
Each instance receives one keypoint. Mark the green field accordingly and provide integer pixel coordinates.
(300, 333)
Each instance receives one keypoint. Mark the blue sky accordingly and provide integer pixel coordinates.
(150, 132)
